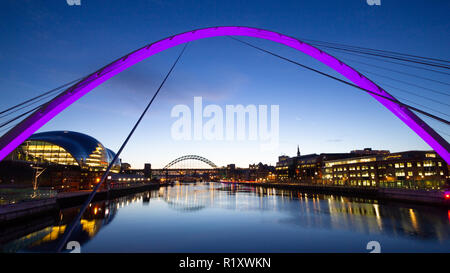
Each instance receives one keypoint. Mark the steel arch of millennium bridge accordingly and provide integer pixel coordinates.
(37, 119)
(190, 157)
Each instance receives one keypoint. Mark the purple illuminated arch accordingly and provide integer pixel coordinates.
(36, 120)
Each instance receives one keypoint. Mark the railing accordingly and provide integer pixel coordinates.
(16, 195)
(128, 184)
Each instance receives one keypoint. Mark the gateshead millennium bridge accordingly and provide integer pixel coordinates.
(20, 132)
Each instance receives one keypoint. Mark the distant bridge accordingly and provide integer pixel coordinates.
(190, 157)
(175, 170)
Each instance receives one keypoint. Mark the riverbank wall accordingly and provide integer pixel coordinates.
(27, 210)
(436, 198)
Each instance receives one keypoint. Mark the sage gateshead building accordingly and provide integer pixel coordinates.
(66, 148)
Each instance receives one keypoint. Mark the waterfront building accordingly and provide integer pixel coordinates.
(308, 168)
(406, 170)
(261, 172)
(69, 160)
(66, 148)
(148, 170)
(125, 166)
(234, 173)
(230, 172)
(285, 168)
(369, 151)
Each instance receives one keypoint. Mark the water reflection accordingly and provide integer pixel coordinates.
(303, 214)
(96, 216)
(319, 210)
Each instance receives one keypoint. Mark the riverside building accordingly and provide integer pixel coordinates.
(406, 170)
(367, 168)
(66, 159)
(309, 168)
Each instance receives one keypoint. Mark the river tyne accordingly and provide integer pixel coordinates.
(215, 217)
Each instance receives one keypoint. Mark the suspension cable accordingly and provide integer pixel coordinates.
(404, 82)
(371, 57)
(389, 61)
(385, 56)
(421, 105)
(87, 81)
(19, 116)
(414, 94)
(41, 95)
(345, 82)
(396, 71)
(26, 106)
(377, 50)
(364, 49)
(437, 130)
(76, 221)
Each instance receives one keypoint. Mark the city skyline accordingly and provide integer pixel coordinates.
(314, 112)
(224, 135)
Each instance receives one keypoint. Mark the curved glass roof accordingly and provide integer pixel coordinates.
(79, 145)
(111, 156)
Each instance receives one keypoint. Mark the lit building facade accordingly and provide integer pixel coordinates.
(233, 173)
(285, 168)
(66, 148)
(68, 160)
(367, 168)
(261, 172)
(407, 170)
(308, 168)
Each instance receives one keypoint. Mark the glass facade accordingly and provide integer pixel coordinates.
(66, 148)
(42, 151)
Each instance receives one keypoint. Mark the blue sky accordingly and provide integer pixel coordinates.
(47, 43)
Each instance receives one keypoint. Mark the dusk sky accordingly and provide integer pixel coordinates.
(45, 44)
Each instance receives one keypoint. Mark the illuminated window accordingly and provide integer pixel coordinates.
(40, 151)
(428, 163)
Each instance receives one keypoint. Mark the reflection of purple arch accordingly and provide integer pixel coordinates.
(28, 126)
